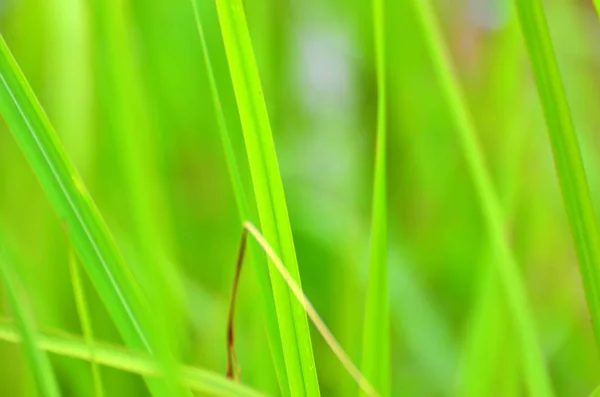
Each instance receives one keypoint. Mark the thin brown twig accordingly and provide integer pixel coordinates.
(231, 355)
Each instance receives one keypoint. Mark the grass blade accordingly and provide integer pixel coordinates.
(268, 188)
(38, 361)
(244, 211)
(567, 156)
(126, 360)
(538, 380)
(131, 128)
(361, 380)
(88, 232)
(85, 320)
(597, 7)
(488, 341)
(376, 338)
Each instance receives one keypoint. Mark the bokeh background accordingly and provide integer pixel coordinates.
(126, 89)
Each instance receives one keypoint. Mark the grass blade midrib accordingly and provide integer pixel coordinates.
(65, 192)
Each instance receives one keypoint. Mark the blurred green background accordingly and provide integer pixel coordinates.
(125, 86)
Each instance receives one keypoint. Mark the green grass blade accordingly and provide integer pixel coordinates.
(131, 128)
(38, 361)
(234, 173)
(268, 188)
(85, 320)
(567, 157)
(597, 7)
(490, 357)
(538, 380)
(89, 234)
(277, 264)
(376, 334)
(244, 210)
(127, 360)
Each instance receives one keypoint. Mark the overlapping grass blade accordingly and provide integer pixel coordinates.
(376, 337)
(38, 361)
(418, 322)
(268, 188)
(487, 337)
(87, 230)
(130, 125)
(567, 156)
(538, 380)
(127, 360)
(244, 211)
(84, 319)
(279, 267)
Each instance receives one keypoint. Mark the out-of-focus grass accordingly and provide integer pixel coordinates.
(567, 156)
(38, 360)
(537, 377)
(127, 88)
(85, 319)
(376, 339)
(110, 356)
(485, 344)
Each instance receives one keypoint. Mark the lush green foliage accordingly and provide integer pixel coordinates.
(508, 273)
(393, 155)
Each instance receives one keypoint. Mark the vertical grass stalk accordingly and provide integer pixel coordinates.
(131, 128)
(38, 360)
(567, 156)
(85, 320)
(243, 206)
(268, 188)
(376, 338)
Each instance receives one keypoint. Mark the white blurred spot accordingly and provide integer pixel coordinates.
(324, 75)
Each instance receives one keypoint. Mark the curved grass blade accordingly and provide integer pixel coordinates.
(538, 380)
(244, 211)
(376, 334)
(127, 360)
(567, 156)
(270, 198)
(361, 380)
(38, 361)
(85, 320)
(87, 230)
